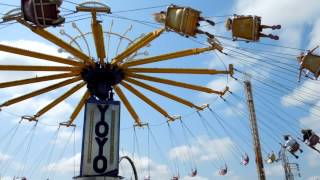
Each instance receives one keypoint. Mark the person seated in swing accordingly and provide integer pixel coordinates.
(224, 170)
(175, 178)
(249, 28)
(194, 173)
(310, 138)
(183, 20)
(310, 62)
(271, 158)
(245, 159)
(292, 145)
(42, 13)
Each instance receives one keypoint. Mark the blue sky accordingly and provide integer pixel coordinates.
(283, 105)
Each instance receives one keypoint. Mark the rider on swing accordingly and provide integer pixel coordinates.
(292, 145)
(183, 20)
(249, 28)
(311, 62)
(194, 173)
(245, 159)
(310, 138)
(271, 158)
(224, 170)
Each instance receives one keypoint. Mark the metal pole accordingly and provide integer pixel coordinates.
(255, 133)
(287, 166)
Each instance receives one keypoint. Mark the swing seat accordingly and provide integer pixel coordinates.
(294, 148)
(270, 161)
(175, 178)
(245, 27)
(194, 173)
(184, 20)
(222, 172)
(311, 62)
(313, 140)
(42, 13)
(245, 162)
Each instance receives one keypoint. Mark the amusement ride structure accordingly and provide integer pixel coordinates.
(107, 80)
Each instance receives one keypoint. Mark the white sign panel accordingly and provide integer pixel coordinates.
(100, 146)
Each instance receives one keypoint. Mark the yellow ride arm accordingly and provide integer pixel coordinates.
(146, 100)
(37, 79)
(137, 45)
(127, 104)
(78, 108)
(38, 68)
(40, 91)
(163, 93)
(38, 55)
(168, 56)
(174, 83)
(59, 99)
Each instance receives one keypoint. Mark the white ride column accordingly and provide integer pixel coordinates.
(100, 143)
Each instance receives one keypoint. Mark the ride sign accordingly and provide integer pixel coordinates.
(100, 147)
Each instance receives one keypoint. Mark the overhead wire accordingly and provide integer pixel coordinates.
(282, 89)
(190, 151)
(220, 121)
(26, 154)
(173, 144)
(41, 155)
(263, 107)
(219, 156)
(9, 5)
(139, 9)
(279, 86)
(162, 155)
(62, 153)
(146, 23)
(5, 167)
(245, 116)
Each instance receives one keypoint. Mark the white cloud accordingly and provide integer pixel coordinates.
(274, 170)
(312, 120)
(65, 165)
(4, 157)
(274, 11)
(194, 178)
(314, 178)
(313, 159)
(31, 106)
(143, 164)
(303, 94)
(315, 35)
(203, 150)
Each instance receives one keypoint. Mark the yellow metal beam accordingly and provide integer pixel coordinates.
(177, 71)
(37, 79)
(40, 91)
(127, 104)
(59, 42)
(174, 83)
(78, 108)
(168, 56)
(97, 32)
(146, 100)
(38, 55)
(163, 93)
(59, 99)
(137, 45)
(38, 68)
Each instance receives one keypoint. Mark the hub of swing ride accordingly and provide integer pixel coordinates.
(103, 78)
